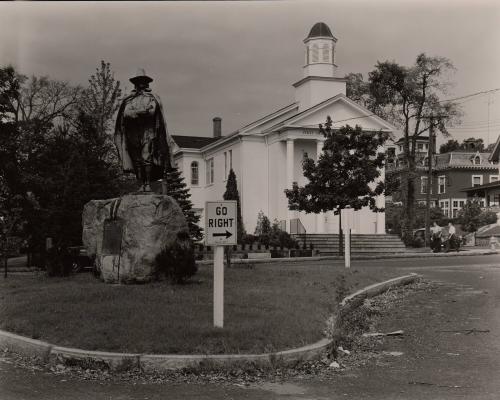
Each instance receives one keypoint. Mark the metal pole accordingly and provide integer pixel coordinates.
(219, 286)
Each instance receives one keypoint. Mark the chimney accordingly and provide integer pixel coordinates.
(217, 127)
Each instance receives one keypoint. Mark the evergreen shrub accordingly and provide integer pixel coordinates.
(177, 261)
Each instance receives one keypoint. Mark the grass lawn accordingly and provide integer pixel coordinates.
(267, 308)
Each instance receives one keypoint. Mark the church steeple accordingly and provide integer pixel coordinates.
(320, 81)
(320, 52)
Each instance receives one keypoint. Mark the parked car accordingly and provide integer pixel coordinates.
(80, 260)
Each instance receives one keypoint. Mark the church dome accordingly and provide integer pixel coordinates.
(320, 29)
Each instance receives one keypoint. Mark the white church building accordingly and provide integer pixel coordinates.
(267, 154)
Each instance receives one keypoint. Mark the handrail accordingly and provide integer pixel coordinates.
(296, 227)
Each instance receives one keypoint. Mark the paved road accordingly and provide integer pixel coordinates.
(463, 363)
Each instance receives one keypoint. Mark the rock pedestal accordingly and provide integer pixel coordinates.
(126, 234)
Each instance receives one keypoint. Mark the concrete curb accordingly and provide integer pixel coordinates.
(356, 299)
(167, 362)
(354, 257)
(25, 346)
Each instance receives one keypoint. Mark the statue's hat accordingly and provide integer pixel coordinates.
(141, 77)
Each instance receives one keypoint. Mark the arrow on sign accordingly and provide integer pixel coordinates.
(227, 234)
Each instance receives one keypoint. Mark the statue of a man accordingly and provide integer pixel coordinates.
(141, 135)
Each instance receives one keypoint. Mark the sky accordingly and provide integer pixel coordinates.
(238, 60)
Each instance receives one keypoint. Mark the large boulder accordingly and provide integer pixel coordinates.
(126, 234)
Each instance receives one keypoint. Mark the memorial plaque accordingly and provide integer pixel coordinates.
(112, 237)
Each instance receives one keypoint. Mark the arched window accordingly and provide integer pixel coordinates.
(194, 173)
(326, 53)
(315, 53)
(477, 160)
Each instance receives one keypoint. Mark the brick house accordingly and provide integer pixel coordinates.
(453, 174)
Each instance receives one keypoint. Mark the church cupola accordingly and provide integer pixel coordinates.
(320, 81)
(320, 52)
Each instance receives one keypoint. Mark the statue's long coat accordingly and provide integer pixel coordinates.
(162, 145)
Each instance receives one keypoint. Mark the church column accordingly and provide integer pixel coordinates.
(320, 217)
(289, 175)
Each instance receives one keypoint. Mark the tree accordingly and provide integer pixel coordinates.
(232, 193)
(472, 217)
(101, 99)
(263, 226)
(345, 173)
(72, 169)
(450, 145)
(409, 98)
(11, 223)
(180, 192)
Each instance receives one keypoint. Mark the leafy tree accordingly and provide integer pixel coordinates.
(180, 192)
(450, 145)
(345, 173)
(472, 217)
(409, 98)
(101, 99)
(263, 226)
(232, 193)
(394, 217)
(11, 223)
(72, 169)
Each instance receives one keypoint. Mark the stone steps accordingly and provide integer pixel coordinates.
(327, 244)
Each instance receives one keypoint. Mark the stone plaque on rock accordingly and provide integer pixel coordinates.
(112, 237)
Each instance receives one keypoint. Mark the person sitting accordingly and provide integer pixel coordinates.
(436, 233)
(452, 242)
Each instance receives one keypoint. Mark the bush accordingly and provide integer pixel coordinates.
(177, 262)
(58, 262)
(472, 217)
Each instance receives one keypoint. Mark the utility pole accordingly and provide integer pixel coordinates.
(429, 184)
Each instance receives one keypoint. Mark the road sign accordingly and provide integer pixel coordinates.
(221, 223)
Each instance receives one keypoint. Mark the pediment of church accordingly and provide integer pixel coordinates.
(342, 110)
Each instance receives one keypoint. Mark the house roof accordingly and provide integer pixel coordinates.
(193, 142)
(491, 185)
(463, 159)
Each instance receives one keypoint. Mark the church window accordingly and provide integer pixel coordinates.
(210, 171)
(194, 173)
(326, 53)
(315, 53)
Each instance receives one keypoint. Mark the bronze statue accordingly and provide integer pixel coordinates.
(141, 135)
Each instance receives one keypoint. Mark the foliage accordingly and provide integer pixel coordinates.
(101, 99)
(11, 224)
(263, 226)
(232, 193)
(54, 153)
(472, 217)
(409, 98)
(178, 189)
(394, 215)
(450, 145)
(453, 145)
(345, 173)
(177, 262)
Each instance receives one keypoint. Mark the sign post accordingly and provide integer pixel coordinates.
(220, 230)
(347, 223)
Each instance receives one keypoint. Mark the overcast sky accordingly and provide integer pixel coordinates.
(238, 60)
